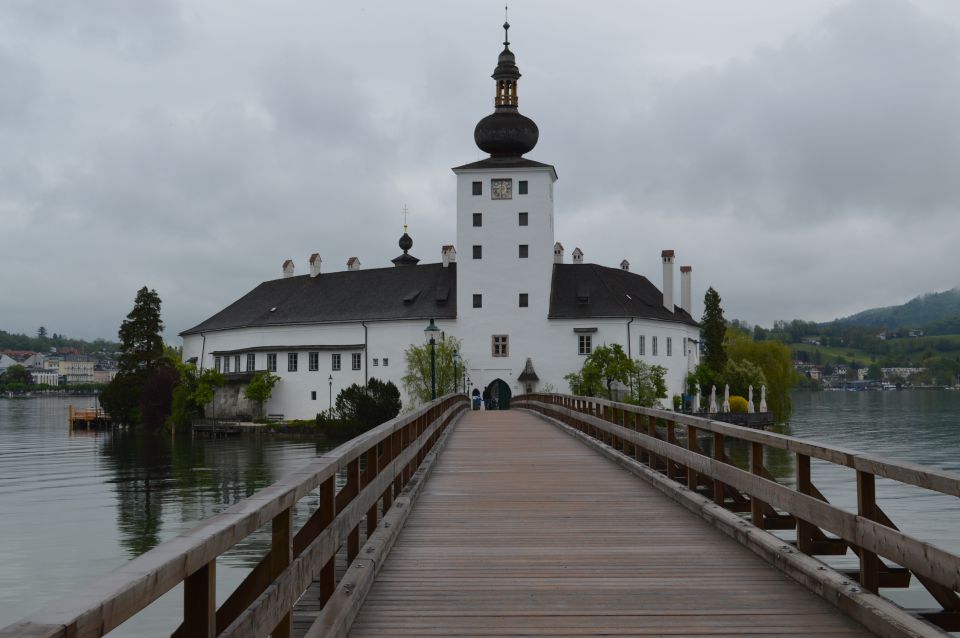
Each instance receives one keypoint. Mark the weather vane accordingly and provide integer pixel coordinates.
(405, 212)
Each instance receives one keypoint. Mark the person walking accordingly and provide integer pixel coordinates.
(486, 398)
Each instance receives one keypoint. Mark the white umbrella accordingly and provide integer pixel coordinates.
(696, 400)
(750, 400)
(726, 398)
(713, 400)
(763, 399)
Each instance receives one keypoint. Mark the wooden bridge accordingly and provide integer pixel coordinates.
(562, 516)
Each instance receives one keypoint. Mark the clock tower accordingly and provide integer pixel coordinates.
(505, 238)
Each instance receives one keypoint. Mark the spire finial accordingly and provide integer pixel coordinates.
(506, 26)
(404, 212)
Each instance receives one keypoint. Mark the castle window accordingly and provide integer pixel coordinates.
(653, 346)
(272, 362)
(355, 360)
(524, 300)
(584, 344)
(216, 364)
(376, 362)
(477, 252)
(478, 301)
(642, 350)
(478, 188)
(386, 362)
(313, 361)
(236, 363)
(313, 395)
(523, 186)
(226, 365)
(524, 251)
(524, 219)
(478, 219)
(501, 345)
(335, 362)
(669, 346)
(291, 362)
(251, 362)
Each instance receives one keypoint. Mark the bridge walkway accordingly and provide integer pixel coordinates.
(522, 530)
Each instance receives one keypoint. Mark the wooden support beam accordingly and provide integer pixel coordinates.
(866, 507)
(200, 602)
(756, 468)
(281, 553)
(328, 572)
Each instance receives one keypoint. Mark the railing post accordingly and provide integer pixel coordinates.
(804, 486)
(692, 478)
(756, 468)
(281, 553)
(373, 468)
(328, 491)
(347, 494)
(200, 602)
(719, 455)
(652, 433)
(867, 508)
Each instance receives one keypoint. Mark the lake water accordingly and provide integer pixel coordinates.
(75, 506)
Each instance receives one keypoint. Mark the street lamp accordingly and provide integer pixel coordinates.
(330, 379)
(430, 332)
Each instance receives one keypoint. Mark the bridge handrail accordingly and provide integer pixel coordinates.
(651, 435)
(392, 452)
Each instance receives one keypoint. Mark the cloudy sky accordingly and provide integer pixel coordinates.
(802, 155)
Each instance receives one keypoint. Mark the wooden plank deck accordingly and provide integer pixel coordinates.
(521, 530)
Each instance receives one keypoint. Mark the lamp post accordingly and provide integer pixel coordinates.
(430, 332)
(330, 379)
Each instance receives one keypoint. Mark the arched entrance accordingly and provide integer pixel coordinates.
(500, 392)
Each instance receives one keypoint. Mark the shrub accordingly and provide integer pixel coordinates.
(738, 404)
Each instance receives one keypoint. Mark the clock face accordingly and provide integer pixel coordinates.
(501, 188)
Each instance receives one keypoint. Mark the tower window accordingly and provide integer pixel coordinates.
(524, 219)
(523, 187)
(313, 395)
(291, 362)
(584, 344)
(524, 300)
(669, 346)
(478, 188)
(501, 346)
(477, 251)
(642, 350)
(355, 360)
(524, 251)
(653, 346)
(478, 219)
(478, 301)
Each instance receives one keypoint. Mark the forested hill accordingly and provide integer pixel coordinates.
(934, 312)
(11, 341)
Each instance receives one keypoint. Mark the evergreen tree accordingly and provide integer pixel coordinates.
(141, 346)
(714, 328)
(141, 355)
(42, 333)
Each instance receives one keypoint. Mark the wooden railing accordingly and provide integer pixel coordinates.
(673, 444)
(263, 602)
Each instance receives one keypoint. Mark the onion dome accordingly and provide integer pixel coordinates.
(406, 243)
(505, 132)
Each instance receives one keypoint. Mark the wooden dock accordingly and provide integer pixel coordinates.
(522, 530)
(88, 418)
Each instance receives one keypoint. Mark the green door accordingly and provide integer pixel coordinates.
(501, 392)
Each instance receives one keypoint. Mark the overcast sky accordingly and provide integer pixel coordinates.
(802, 156)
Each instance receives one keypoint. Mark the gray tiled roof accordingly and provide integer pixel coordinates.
(589, 291)
(416, 292)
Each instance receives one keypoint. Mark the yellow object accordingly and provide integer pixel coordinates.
(738, 404)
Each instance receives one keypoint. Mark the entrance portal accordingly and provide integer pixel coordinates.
(500, 393)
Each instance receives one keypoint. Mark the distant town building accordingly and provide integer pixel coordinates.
(45, 377)
(76, 369)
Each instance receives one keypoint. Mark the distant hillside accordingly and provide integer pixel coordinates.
(934, 312)
(12, 341)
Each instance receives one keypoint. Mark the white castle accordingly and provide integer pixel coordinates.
(524, 315)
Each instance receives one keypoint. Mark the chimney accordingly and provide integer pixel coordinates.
(685, 298)
(577, 256)
(288, 268)
(315, 264)
(667, 256)
(558, 253)
(448, 255)
(625, 265)
(353, 263)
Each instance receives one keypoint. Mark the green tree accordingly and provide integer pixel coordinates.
(740, 375)
(648, 385)
(193, 393)
(714, 329)
(141, 354)
(875, 372)
(16, 374)
(41, 333)
(416, 379)
(773, 358)
(363, 408)
(260, 389)
(601, 369)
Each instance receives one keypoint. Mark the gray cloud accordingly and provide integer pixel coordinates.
(789, 155)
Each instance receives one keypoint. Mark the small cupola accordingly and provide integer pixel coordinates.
(288, 267)
(405, 243)
(558, 253)
(577, 256)
(625, 265)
